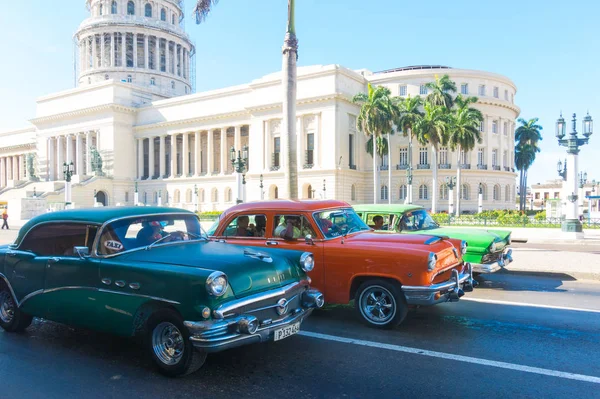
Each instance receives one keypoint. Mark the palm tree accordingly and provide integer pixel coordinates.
(440, 91)
(464, 133)
(289, 72)
(527, 138)
(409, 115)
(432, 129)
(376, 118)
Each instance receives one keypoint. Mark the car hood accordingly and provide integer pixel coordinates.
(478, 240)
(248, 269)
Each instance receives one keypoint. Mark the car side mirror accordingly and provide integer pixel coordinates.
(82, 252)
(309, 240)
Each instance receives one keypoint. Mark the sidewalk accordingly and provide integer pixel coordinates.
(534, 235)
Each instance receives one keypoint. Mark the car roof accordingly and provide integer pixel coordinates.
(289, 205)
(97, 215)
(386, 207)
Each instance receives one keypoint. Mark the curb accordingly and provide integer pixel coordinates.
(555, 274)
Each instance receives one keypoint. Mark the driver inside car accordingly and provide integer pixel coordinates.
(153, 231)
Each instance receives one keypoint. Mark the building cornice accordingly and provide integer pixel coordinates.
(25, 146)
(83, 112)
(499, 103)
(18, 131)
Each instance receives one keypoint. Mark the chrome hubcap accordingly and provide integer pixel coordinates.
(7, 307)
(377, 305)
(167, 343)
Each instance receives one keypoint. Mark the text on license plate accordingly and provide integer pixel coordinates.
(286, 331)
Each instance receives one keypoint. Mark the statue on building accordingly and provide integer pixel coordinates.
(96, 162)
(31, 167)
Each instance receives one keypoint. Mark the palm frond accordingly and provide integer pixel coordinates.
(203, 8)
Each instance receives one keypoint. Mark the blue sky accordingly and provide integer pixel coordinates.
(550, 49)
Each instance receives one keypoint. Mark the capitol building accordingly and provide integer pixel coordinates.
(134, 123)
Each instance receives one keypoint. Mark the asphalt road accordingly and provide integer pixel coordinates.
(511, 338)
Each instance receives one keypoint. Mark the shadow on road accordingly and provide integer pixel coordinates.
(523, 281)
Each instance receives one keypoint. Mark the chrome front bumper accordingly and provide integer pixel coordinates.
(230, 332)
(505, 259)
(447, 291)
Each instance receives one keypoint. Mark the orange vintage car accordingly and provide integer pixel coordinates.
(385, 273)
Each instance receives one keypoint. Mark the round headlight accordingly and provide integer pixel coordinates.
(431, 261)
(463, 247)
(216, 284)
(307, 262)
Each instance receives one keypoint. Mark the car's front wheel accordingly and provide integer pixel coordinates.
(169, 345)
(381, 304)
(12, 319)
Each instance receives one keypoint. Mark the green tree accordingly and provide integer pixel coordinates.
(527, 138)
(289, 82)
(376, 119)
(440, 91)
(433, 129)
(464, 134)
(409, 115)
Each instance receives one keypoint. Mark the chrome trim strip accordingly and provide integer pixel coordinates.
(438, 287)
(222, 310)
(276, 305)
(140, 296)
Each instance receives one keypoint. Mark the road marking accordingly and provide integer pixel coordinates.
(450, 356)
(533, 305)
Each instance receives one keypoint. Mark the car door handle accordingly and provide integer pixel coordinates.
(53, 260)
(106, 281)
(11, 253)
(272, 243)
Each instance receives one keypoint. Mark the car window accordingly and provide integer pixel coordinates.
(336, 222)
(387, 220)
(298, 227)
(133, 233)
(417, 220)
(58, 239)
(247, 226)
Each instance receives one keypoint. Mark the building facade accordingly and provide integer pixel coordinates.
(133, 123)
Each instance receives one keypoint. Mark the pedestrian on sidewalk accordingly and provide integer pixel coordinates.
(4, 219)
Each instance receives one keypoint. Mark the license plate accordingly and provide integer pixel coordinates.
(286, 331)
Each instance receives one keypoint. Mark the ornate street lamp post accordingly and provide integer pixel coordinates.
(68, 169)
(480, 199)
(571, 223)
(239, 165)
(34, 193)
(324, 189)
(562, 170)
(262, 192)
(136, 194)
(409, 179)
(159, 197)
(95, 196)
(195, 197)
(451, 183)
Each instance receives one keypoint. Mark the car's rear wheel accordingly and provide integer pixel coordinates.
(169, 345)
(12, 319)
(380, 304)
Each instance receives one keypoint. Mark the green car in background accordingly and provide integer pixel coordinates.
(487, 249)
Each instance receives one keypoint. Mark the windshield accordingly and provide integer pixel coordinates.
(417, 220)
(338, 222)
(133, 233)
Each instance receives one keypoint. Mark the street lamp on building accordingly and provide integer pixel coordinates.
(239, 164)
(573, 143)
(196, 197)
(262, 192)
(451, 183)
(68, 169)
(480, 198)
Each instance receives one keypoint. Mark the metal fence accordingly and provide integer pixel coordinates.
(522, 221)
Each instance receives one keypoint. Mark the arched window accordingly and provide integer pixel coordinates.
(273, 192)
(113, 7)
(353, 193)
(156, 197)
(483, 191)
(186, 90)
(101, 9)
(496, 193)
(403, 192)
(148, 10)
(276, 192)
(384, 192)
(129, 79)
(423, 192)
(507, 193)
(215, 195)
(163, 14)
(173, 85)
(131, 8)
(188, 196)
(228, 194)
(444, 194)
(145, 197)
(152, 82)
(173, 19)
(201, 195)
(177, 197)
(464, 191)
(309, 192)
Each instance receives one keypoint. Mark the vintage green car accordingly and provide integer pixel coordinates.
(152, 273)
(487, 250)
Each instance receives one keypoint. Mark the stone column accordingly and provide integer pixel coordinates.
(167, 57)
(59, 158)
(135, 51)
(197, 158)
(112, 50)
(210, 153)
(237, 138)
(500, 159)
(88, 154)
(180, 54)
(157, 55)
(9, 168)
(140, 158)
(223, 151)
(317, 149)
(161, 153)
(78, 154)
(22, 173)
(15, 167)
(94, 55)
(69, 152)
(102, 51)
(151, 158)
(50, 162)
(146, 51)
(173, 155)
(124, 49)
(2, 171)
(185, 155)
